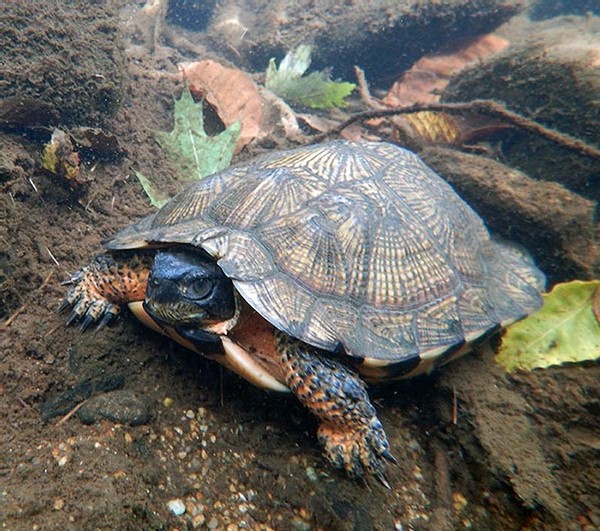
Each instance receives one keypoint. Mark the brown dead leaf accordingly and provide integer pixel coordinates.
(279, 121)
(231, 93)
(424, 83)
(430, 75)
(317, 123)
(440, 128)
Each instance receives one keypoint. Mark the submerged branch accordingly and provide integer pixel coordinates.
(484, 107)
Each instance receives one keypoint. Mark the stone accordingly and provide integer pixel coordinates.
(122, 406)
(177, 507)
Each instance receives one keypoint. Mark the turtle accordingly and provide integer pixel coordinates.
(317, 271)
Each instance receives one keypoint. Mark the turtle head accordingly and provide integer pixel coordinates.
(187, 289)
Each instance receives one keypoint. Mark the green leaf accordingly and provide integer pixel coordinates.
(314, 90)
(565, 329)
(194, 153)
(297, 61)
(157, 198)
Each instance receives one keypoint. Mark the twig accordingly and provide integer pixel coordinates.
(33, 184)
(16, 314)
(485, 107)
(158, 24)
(52, 256)
(454, 406)
(92, 197)
(70, 413)
(23, 403)
(363, 90)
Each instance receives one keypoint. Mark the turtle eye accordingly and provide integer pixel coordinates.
(199, 288)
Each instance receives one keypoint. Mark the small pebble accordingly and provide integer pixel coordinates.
(190, 414)
(459, 502)
(213, 523)
(177, 507)
(198, 520)
(59, 503)
(299, 525)
(195, 465)
(417, 473)
(311, 474)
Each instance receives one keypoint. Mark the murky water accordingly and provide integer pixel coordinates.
(124, 428)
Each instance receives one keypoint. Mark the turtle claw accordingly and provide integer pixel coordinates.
(72, 316)
(90, 310)
(88, 303)
(86, 323)
(106, 319)
(64, 305)
(382, 479)
(386, 454)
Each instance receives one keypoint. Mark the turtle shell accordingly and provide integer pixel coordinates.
(352, 247)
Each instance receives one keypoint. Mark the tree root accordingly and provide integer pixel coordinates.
(489, 108)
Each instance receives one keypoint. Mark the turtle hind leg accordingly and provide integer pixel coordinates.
(100, 289)
(349, 430)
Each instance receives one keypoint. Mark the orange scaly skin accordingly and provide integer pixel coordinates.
(351, 433)
(100, 289)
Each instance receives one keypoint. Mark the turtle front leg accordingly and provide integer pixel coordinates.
(100, 289)
(349, 429)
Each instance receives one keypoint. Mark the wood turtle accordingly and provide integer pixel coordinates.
(313, 270)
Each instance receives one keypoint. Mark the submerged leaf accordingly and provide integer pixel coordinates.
(60, 159)
(427, 79)
(564, 330)
(315, 90)
(296, 62)
(157, 198)
(213, 82)
(194, 153)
